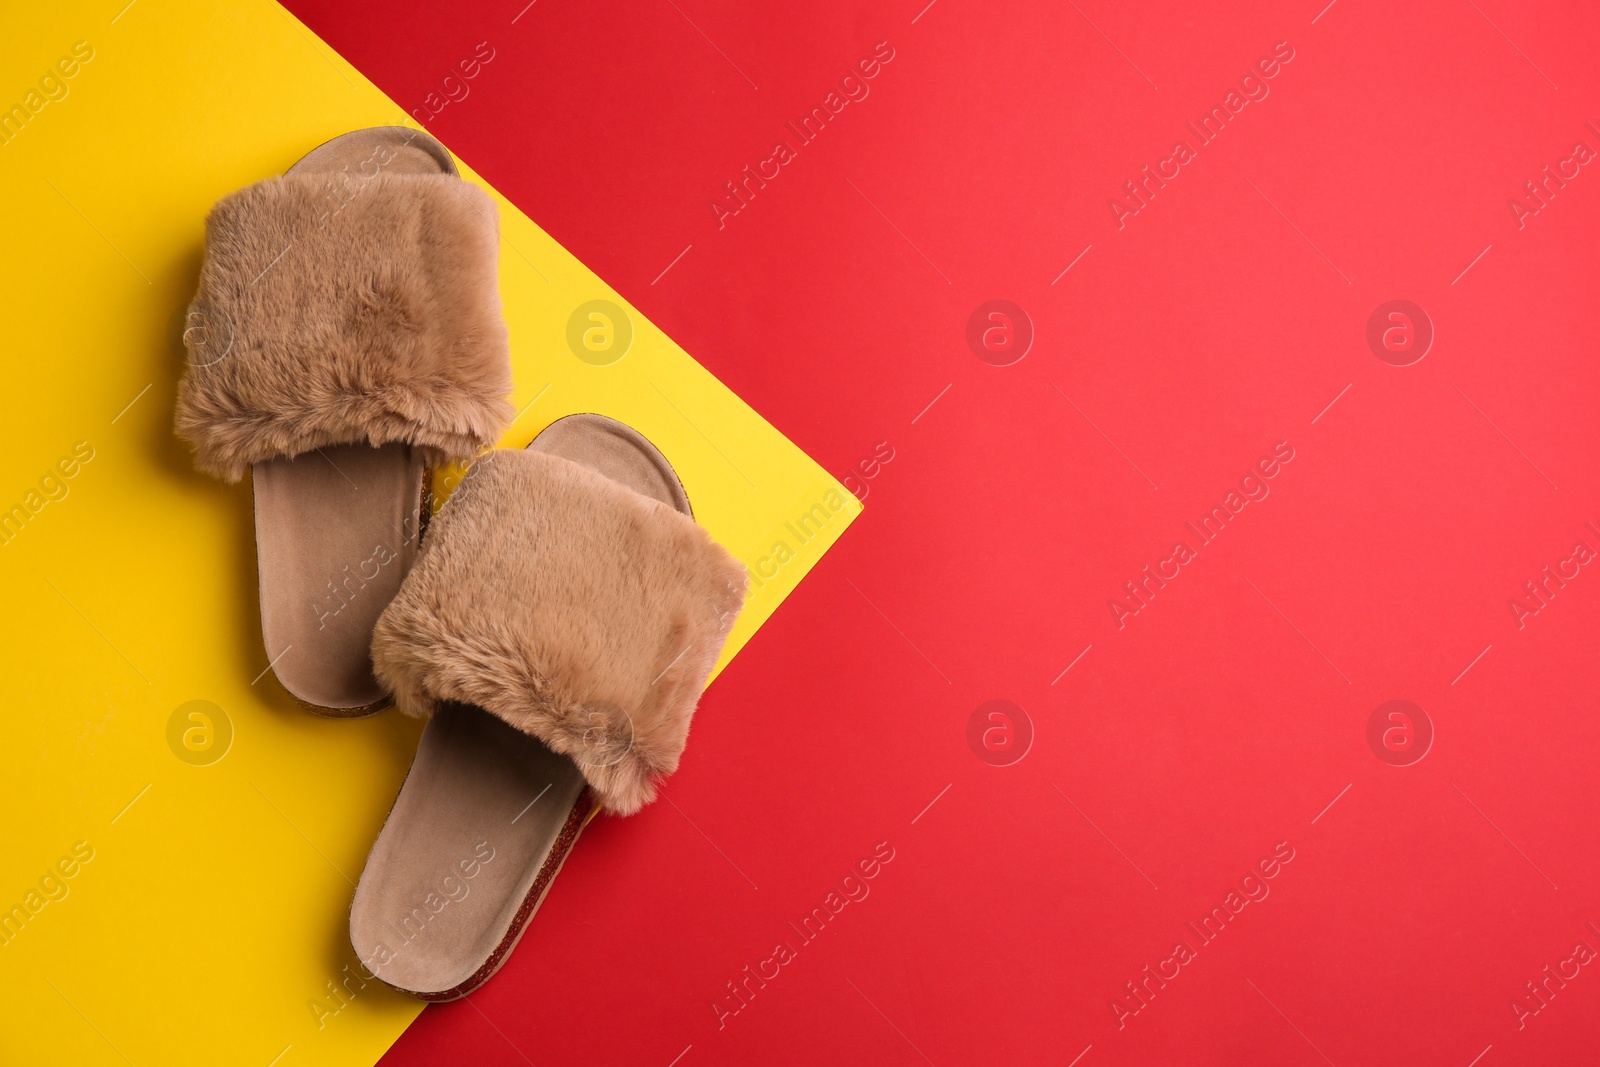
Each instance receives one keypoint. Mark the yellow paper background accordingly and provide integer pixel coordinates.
(213, 912)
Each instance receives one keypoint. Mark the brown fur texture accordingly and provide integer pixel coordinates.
(320, 321)
(574, 608)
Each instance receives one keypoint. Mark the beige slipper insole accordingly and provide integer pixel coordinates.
(487, 814)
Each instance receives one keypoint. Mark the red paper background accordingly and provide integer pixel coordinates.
(1221, 719)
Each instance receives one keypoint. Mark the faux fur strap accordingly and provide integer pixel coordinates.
(333, 315)
(572, 607)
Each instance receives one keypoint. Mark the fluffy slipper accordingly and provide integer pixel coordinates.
(557, 629)
(346, 334)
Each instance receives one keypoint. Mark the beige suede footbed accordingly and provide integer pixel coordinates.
(337, 529)
(487, 813)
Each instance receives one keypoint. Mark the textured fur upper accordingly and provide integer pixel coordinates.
(572, 607)
(329, 315)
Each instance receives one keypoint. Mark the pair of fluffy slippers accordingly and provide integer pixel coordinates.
(559, 621)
